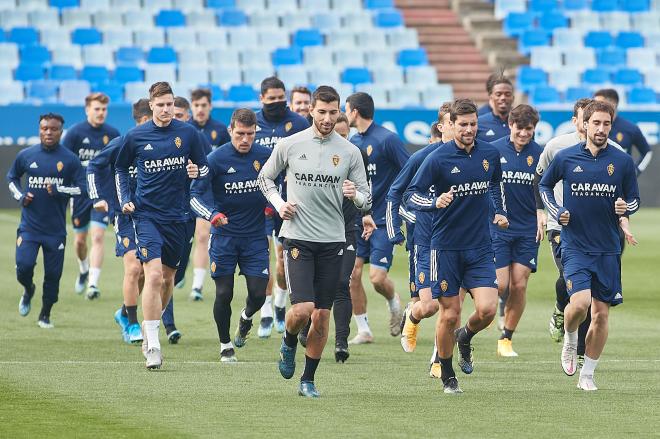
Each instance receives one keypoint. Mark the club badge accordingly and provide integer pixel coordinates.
(335, 160)
(610, 169)
(257, 165)
(60, 166)
(178, 142)
(530, 160)
(486, 165)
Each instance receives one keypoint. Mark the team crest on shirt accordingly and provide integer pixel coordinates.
(530, 160)
(421, 277)
(144, 252)
(444, 285)
(619, 137)
(178, 142)
(19, 241)
(213, 267)
(569, 284)
(288, 126)
(610, 169)
(257, 165)
(126, 242)
(214, 134)
(335, 160)
(295, 253)
(106, 139)
(486, 165)
(413, 287)
(370, 149)
(59, 166)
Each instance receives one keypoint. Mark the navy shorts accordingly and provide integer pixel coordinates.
(82, 214)
(453, 269)
(377, 251)
(523, 250)
(422, 257)
(250, 254)
(125, 234)
(155, 240)
(599, 273)
(411, 274)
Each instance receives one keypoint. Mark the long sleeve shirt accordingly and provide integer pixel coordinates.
(628, 135)
(87, 141)
(214, 131)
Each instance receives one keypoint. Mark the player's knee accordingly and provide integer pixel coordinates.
(98, 237)
(430, 307)
(599, 318)
(154, 278)
(450, 317)
(486, 312)
(378, 277)
(52, 276)
(24, 271)
(518, 289)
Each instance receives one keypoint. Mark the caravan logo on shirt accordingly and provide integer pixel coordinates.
(166, 164)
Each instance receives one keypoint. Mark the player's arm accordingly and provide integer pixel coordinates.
(14, 180)
(415, 196)
(77, 186)
(630, 191)
(546, 186)
(125, 159)
(98, 172)
(267, 178)
(645, 153)
(356, 187)
(198, 155)
(496, 190)
(393, 209)
(199, 201)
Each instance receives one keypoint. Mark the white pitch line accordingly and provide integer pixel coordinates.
(74, 362)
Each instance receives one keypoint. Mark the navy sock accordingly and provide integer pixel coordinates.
(446, 368)
(310, 368)
(507, 333)
(291, 340)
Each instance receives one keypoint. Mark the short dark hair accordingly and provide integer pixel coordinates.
(342, 118)
(49, 116)
(363, 103)
(271, 82)
(581, 103)
(96, 96)
(200, 93)
(159, 89)
(445, 108)
(461, 107)
(608, 93)
(597, 106)
(325, 93)
(495, 79)
(181, 102)
(301, 89)
(435, 132)
(244, 116)
(141, 109)
(523, 116)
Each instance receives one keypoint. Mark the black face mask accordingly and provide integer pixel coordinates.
(275, 111)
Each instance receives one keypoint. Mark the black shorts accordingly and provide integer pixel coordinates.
(312, 271)
(554, 237)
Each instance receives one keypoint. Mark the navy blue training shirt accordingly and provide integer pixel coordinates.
(476, 181)
(628, 135)
(59, 167)
(214, 131)
(387, 155)
(591, 186)
(491, 127)
(160, 155)
(233, 181)
(86, 141)
(269, 133)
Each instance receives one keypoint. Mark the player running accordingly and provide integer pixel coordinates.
(301, 100)
(321, 169)
(387, 155)
(516, 248)
(467, 175)
(493, 125)
(160, 150)
(600, 192)
(237, 220)
(53, 175)
(86, 139)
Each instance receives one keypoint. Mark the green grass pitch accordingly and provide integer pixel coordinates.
(81, 380)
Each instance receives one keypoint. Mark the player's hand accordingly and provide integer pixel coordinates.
(219, 219)
(192, 169)
(27, 199)
(620, 206)
(368, 227)
(348, 189)
(269, 212)
(444, 199)
(564, 218)
(399, 238)
(101, 206)
(128, 208)
(501, 221)
(50, 189)
(541, 223)
(624, 223)
(288, 210)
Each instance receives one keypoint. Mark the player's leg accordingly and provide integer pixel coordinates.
(595, 343)
(26, 259)
(515, 306)
(132, 332)
(342, 307)
(98, 225)
(224, 293)
(266, 323)
(381, 255)
(279, 287)
(173, 334)
(448, 318)
(561, 296)
(53, 254)
(81, 211)
(180, 278)
(359, 303)
(200, 258)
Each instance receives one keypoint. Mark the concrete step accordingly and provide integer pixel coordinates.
(450, 68)
(479, 77)
(508, 59)
(494, 41)
(481, 23)
(414, 4)
(456, 39)
(467, 7)
(471, 58)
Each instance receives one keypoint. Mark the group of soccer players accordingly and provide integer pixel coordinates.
(286, 179)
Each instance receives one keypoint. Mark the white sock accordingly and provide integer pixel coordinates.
(244, 316)
(83, 265)
(571, 337)
(280, 297)
(267, 308)
(198, 278)
(94, 274)
(362, 323)
(151, 327)
(394, 303)
(589, 366)
(224, 346)
(435, 351)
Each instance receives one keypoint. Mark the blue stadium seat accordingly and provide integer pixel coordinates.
(95, 74)
(232, 17)
(611, 58)
(242, 93)
(42, 91)
(628, 77)
(564, 78)
(326, 21)
(35, 55)
(642, 96)
(129, 56)
(542, 6)
(221, 4)
(632, 6)
(85, 36)
(113, 90)
(378, 4)
(388, 18)
(532, 38)
(574, 5)
(575, 93)
(552, 20)
(546, 57)
(595, 77)
(124, 74)
(64, 3)
(629, 39)
(307, 37)
(356, 75)
(412, 57)
(598, 39)
(544, 95)
(73, 92)
(161, 55)
(62, 72)
(24, 36)
(287, 56)
(530, 77)
(604, 5)
(170, 18)
(29, 72)
(216, 91)
(3, 36)
(517, 22)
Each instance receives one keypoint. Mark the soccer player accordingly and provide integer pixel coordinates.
(466, 174)
(624, 132)
(53, 175)
(418, 226)
(274, 122)
(516, 248)
(216, 134)
(321, 169)
(181, 109)
(436, 134)
(236, 215)
(86, 139)
(160, 150)
(494, 124)
(301, 99)
(600, 192)
(387, 155)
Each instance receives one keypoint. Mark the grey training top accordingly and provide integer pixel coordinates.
(316, 168)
